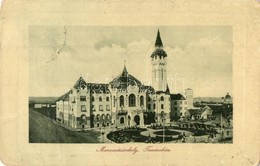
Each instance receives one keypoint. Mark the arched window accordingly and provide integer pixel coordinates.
(100, 98)
(103, 116)
(122, 120)
(132, 100)
(162, 98)
(108, 116)
(92, 98)
(83, 117)
(107, 99)
(98, 117)
(142, 101)
(121, 101)
(162, 114)
(149, 99)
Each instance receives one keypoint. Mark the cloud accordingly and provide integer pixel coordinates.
(201, 63)
(89, 62)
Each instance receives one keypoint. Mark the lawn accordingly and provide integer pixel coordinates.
(43, 130)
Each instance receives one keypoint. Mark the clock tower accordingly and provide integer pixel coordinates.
(159, 65)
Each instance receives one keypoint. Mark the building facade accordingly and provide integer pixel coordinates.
(124, 101)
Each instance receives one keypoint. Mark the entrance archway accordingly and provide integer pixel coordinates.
(137, 119)
(122, 120)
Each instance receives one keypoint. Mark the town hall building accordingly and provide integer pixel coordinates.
(124, 101)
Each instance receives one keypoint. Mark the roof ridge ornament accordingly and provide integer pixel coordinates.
(125, 72)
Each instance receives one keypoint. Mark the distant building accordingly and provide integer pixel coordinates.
(189, 98)
(227, 99)
(178, 106)
(42, 102)
(124, 101)
(202, 113)
(206, 113)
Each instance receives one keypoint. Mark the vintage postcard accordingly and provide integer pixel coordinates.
(130, 83)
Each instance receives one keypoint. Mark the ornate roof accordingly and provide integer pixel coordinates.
(80, 83)
(93, 87)
(149, 89)
(98, 88)
(159, 52)
(177, 97)
(124, 79)
(227, 96)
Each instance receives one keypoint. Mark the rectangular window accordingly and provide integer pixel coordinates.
(176, 108)
(175, 102)
(108, 108)
(154, 106)
(149, 106)
(83, 98)
(100, 108)
(83, 108)
(161, 106)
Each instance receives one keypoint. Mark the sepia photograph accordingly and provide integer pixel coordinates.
(111, 82)
(131, 84)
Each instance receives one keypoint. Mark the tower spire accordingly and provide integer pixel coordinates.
(159, 66)
(158, 42)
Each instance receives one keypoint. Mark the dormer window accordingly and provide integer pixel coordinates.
(162, 98)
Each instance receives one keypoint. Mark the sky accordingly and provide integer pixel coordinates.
(199, 57)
